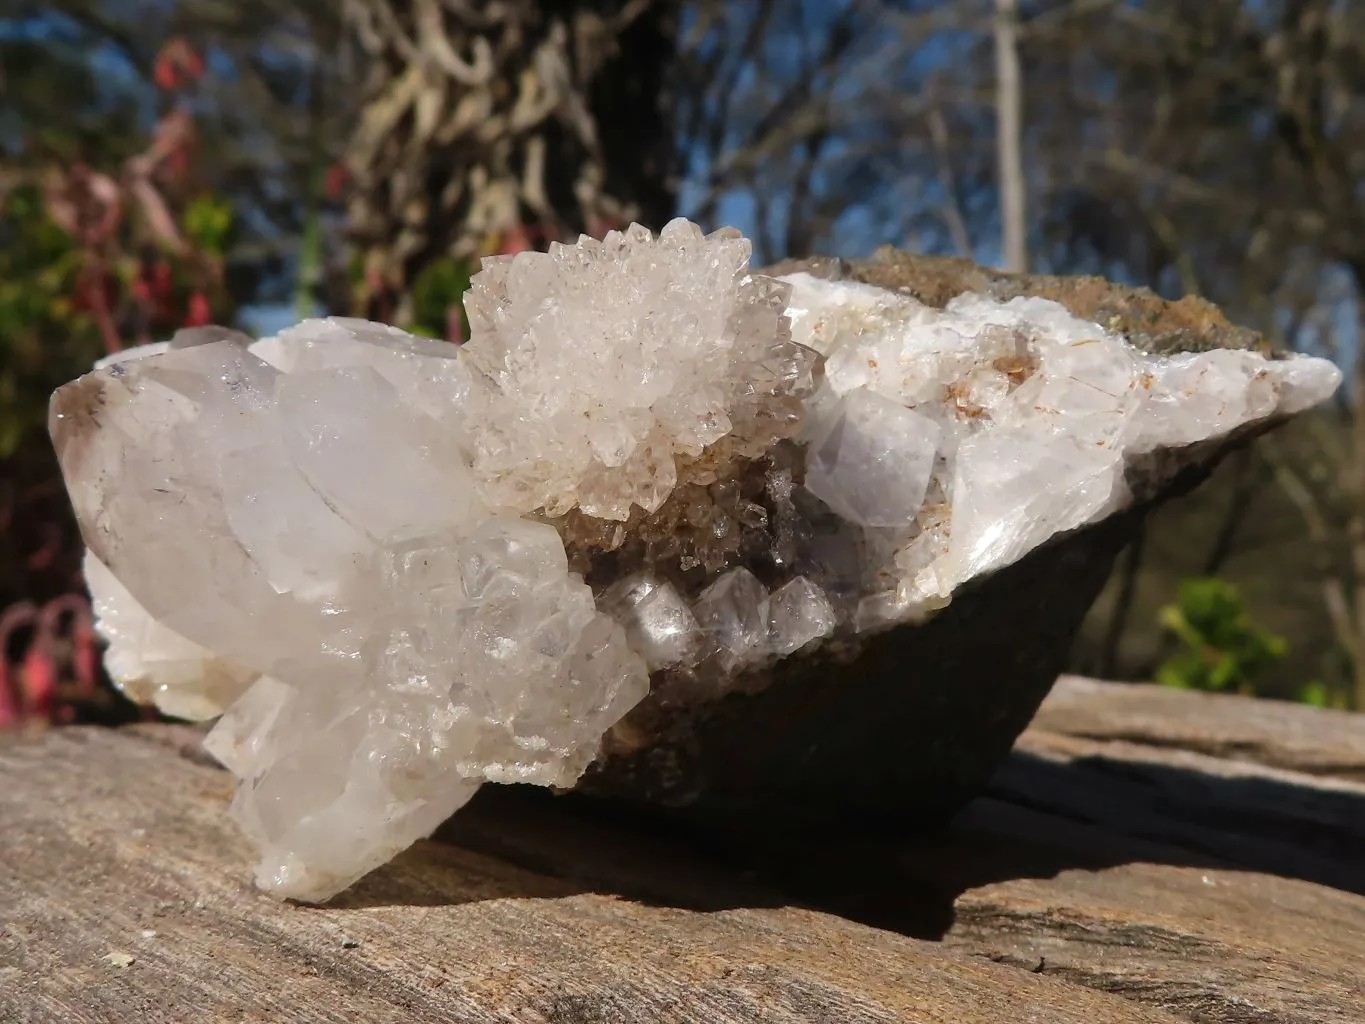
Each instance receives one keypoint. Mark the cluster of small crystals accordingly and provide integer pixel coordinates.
(941, 445)
(339, 539)
(616, 365)
(397, 568)
(300, 545)
(952, 442)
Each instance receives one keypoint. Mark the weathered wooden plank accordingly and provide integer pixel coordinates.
(1266, 819)
(1292, 736)
(1140, 916)
(1140, 881)
(1209, 944)
(1171, 876)
(116, 847)
(1168, 876)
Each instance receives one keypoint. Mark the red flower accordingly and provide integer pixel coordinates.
(334, 181)
(161, 281)
(94, 291)
(177, 65)
(517, 239)
(199, 313)
(40, 680)
(164, 73)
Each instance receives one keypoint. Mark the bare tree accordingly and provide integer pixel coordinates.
(839, 126)
(1219, 148)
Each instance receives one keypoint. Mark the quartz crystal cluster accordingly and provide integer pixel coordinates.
(394, 569)
(955, 441)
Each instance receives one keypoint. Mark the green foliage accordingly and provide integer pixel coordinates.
(1222, 649)
(440, 286)
(1315, 694)
(208, 223)
(45, 338)
(1319, 695)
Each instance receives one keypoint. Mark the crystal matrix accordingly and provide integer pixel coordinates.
(398, 569)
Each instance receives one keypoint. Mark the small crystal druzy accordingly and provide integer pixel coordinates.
(397, 568)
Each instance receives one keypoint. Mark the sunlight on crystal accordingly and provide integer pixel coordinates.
(398, 569)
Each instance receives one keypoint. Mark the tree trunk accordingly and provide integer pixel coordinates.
(496, 127)
(1009, 103)
(1356, 525)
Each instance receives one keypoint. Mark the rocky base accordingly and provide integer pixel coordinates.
(906, 733)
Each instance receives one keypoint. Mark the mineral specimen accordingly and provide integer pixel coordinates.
(398, 569)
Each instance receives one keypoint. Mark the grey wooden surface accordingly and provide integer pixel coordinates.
(1145, 856)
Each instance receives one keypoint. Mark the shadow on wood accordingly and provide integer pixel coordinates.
(1051, 811)
(1138, 878)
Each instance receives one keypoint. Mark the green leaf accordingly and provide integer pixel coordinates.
(208, 223)
(1316, 694)
(440, 286)
(1222, 649)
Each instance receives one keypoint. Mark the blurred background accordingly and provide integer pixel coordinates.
(166, 163)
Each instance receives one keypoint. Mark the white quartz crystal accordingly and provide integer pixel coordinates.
(1039, 413)
(873, 463)
(366, 551)
(733, 614)
(799, 613)
(653, 370)
(152, 663)
(657, 620)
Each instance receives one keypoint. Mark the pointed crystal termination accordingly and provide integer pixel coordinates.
(650, 481)
(733, 616)
(873, 465)
(612, 361)
(309, 551)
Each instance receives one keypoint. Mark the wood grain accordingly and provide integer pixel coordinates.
(1104, 880)
(1293, 736)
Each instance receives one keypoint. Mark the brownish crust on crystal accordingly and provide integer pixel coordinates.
(1145, 319)
(908, 725)
(74, 416)
(719, 510)
(1148, 321)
